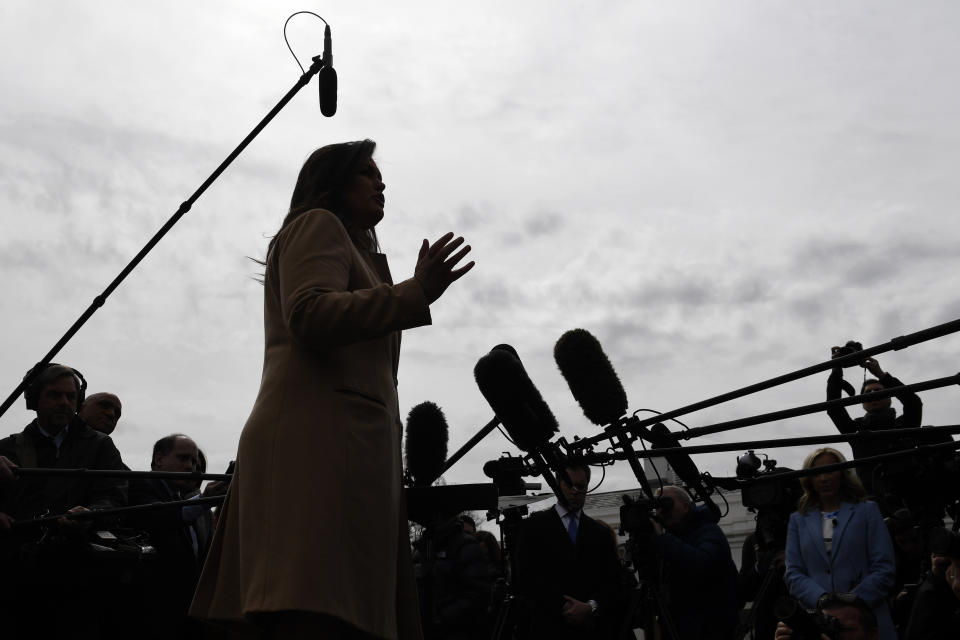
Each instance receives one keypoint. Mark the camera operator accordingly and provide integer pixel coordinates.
(890, 483)
(568, 570)
(699, 572)
(879, 416)
(855, 618)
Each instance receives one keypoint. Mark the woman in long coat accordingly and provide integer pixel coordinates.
(838, 543)
(312, 538)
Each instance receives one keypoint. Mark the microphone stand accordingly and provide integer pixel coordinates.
(43, 472)
(183, 209)
(895, 344)
(119, 511)
(470, 444)
(607, 456)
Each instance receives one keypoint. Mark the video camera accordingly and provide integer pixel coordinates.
(635, 513)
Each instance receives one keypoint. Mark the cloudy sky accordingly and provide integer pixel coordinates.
(719, 191)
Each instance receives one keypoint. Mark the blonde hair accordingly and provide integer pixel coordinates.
(851, 489)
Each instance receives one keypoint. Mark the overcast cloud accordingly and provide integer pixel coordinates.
(718, 191)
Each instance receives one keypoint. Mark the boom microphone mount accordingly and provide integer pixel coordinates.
(901, 342)
(318, 64)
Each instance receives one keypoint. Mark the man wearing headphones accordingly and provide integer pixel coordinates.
(57, 439)
(48, 590)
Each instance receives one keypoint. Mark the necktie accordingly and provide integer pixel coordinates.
(572, 527)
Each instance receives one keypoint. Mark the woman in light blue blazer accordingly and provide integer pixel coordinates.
(838, 543)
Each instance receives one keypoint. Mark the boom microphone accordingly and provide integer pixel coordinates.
(426, 446)
(597, 389)
(328, 77)
(682, 464)
(512, 395)
(590, 376)
(521, 410)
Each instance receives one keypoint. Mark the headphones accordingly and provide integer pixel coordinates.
(37, 378)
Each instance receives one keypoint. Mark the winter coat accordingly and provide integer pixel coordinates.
(314, 519)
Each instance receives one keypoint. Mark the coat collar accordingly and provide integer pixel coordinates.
(814, 521)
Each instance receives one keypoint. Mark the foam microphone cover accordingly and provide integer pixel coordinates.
(590, 376)
(513, 397)
(662, 438)
(426, 445)
(328, 77)
(328, 91)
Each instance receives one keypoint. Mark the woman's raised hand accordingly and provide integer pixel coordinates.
(435, 265)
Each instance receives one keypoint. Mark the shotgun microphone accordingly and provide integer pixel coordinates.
(328, 77)
(590, 376)
(426, 445)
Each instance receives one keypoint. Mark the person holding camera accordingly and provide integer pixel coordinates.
(699, 573)
(845, 613)
(837, 542)
(879, 414)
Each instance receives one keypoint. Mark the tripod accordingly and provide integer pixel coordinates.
(508, 520)
(647, 603)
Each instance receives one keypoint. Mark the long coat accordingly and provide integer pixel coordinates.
(314, 519)
(861, 559)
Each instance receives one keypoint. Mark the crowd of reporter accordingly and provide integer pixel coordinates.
(96, 575)
(866, 567)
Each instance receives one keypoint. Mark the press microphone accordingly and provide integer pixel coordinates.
(682, 464)
(590, 376)
(521, 410)
(426, 445)
(597, 389)
(513, 397)
(328, 77)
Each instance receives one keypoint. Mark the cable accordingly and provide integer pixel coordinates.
(500, 429)
(288, 42)
(652, 464)
(603, 469)
(658, 413)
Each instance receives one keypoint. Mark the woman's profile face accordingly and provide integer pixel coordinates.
(827, 485)
(363, 197)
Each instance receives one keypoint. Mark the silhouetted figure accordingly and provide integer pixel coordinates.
(313, 535)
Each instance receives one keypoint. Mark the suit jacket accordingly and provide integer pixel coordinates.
(166, 599)
(550, 565)
(314, 518)
(861, 560)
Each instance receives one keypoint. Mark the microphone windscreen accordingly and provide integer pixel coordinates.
(426, 445)
(590, 376)
(328, 91)
(682, 463)
(511, 394)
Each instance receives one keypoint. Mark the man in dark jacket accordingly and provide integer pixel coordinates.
(178, 536)
(700, 578)
(454, 583)
(47, 581)
(891, 483)
(568, 571)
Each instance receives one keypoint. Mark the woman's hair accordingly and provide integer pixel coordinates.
(851, 489)
(322, 184)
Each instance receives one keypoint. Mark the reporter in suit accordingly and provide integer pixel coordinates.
(837, 542)
(567, 568)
